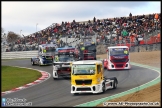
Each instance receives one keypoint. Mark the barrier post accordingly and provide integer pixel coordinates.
(145, 40)
(130, 42)
(156, 43)
(110, 37)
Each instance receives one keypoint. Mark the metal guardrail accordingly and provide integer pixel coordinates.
(19, 54)
(101, 50)
(73, 42)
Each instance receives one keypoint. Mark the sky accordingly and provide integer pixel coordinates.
(28, 17)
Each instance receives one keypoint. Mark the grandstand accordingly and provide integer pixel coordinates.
(134, 30)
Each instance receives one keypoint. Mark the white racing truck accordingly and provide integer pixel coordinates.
(61, 64)
(88, 77)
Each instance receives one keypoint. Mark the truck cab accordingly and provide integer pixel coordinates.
(61, 64)
(88, 77)
(87, 49)
(45, 55)
(117, 58)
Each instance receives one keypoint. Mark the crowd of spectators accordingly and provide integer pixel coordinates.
(119, 28)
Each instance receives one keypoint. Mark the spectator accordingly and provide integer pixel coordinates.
(122, 27)
(130, 15)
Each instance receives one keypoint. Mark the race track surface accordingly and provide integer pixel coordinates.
(57, 93)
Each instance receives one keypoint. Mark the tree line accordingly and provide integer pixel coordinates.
(10, 37)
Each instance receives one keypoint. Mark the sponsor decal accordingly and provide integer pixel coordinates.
(83, 76)
(119, 57)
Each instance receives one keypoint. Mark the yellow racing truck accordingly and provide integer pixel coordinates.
(88, 77)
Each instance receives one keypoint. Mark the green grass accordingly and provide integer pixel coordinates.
(13, 77)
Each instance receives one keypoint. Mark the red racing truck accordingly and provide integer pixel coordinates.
(117, 58)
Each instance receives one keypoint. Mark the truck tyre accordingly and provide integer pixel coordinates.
(115, 84)
(75, 94)
(55, 78)
(108, 69)
(32, 62)
(103, 88)
(39, 63)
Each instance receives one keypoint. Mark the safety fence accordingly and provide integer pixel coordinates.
(144, 48)
(19, 54)
(101, 49)
(151, 44)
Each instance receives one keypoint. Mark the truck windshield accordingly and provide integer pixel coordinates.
(92, 47)
(50, 49)
(47, 50)
(47, 57)
(83, 69)
(66, 58)
(119, 51)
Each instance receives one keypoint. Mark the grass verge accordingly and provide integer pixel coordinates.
(13, 77)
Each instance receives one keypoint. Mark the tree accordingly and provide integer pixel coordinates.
(12, 37)
(3, 35)
(2, 31)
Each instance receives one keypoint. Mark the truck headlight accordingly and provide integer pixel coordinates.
(55, 68)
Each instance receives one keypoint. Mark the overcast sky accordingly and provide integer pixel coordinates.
(24, 16)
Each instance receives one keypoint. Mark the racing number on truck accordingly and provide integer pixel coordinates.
(125, 52)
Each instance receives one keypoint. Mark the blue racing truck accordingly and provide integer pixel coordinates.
(45, 55)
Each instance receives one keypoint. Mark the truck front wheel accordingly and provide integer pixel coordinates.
(115, 84)
(55, 78)
(75, 93)
(32, 62)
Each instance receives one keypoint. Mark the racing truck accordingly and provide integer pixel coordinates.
(61, 65)
(87, 76)
(45, 55)
(87, 49)
(117, 58)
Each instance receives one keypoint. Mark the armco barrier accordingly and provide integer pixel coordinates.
(19, 54)
(29, 54)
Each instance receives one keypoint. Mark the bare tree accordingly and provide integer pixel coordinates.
(12, 37)
(2, 30)
(3, 35)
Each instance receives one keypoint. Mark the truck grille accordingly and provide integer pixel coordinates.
(119, 60)
(83, 89)
(48, 61)
(61, 64)
(85, 82)
(88, 58)
(119, 65)
(56, 64)
(66, 63)
(64, 69)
